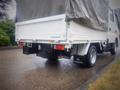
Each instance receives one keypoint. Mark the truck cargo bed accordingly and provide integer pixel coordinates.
(55, 30)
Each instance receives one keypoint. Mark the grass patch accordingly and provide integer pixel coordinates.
(109, 81)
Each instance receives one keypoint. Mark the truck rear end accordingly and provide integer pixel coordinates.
(43, 36)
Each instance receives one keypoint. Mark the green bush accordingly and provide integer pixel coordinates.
(7, 33)
(4, 39)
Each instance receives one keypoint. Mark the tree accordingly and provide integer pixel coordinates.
(7, 32)
(3, 4)
(4, 38)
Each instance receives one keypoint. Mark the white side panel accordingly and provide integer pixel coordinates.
(51, 28)
(79, 33)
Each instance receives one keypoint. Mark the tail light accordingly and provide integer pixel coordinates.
(21, 44)
(59, 47)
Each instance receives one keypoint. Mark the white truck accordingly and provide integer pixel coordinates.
(68, 35)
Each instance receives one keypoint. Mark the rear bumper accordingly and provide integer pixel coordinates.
(43, 50)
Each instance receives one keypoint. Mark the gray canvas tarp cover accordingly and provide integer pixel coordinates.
(92, 13)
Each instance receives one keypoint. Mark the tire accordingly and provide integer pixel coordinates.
(113, 49)
(91, 57)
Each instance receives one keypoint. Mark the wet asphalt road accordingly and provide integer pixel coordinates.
(22, 72)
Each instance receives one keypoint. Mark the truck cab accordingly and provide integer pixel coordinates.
(113, 30)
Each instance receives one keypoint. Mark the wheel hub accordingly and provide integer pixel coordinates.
(93, 56)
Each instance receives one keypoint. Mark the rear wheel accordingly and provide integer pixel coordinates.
(88, 60)
(91, 57)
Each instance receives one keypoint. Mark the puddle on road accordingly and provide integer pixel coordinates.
(21, 72)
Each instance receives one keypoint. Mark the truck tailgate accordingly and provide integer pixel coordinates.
(44, 29)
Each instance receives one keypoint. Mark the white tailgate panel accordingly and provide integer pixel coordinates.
(42, 30)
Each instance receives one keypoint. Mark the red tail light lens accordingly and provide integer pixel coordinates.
(21, 44)
(59, 47)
